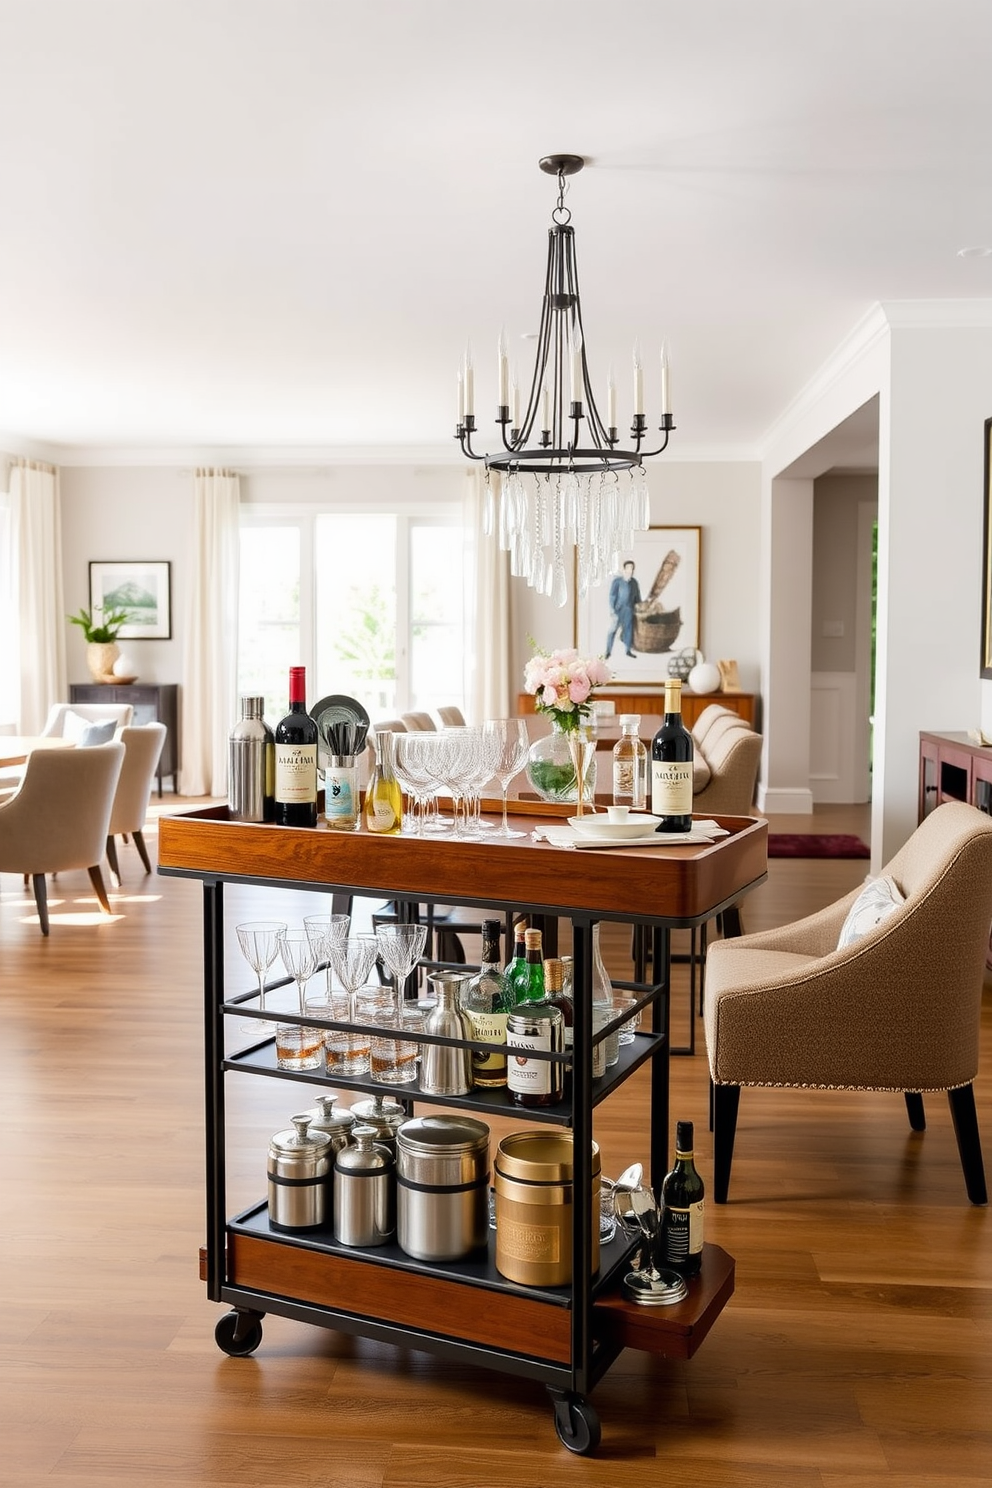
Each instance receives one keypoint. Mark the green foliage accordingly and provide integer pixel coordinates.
(103, 631)
(369, 642)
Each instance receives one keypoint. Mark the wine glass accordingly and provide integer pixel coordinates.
(259, 944)
(299, 956)
(324, 930)
(353, 958)
(513, 746)
(401, 947)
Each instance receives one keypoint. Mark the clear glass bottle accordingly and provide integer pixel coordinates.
(383, 797)
(602, 1002)
(630, 765)
(486, 1002)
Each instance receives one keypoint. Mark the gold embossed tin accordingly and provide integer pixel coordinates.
(534, 1196)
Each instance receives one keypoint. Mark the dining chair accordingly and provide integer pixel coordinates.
(58, 819)
(419, 723)
(142, 749)
(880, 991)
(451, 717)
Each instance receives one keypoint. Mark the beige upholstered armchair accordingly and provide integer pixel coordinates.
(65, 719)
(142, 749)
(58, 819)
(897, 1009)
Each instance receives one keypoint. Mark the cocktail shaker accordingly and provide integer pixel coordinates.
(364, 1191)
(445, 1069)
(251, 765)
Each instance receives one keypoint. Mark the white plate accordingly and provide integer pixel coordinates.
(637, 824)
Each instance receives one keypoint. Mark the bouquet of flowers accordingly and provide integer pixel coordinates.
(562, 682)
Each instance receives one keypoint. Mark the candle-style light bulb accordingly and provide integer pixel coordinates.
(576, 362)
(546, 409)
(666, 380)
(469, 382)
(611, 399)
(503, 368)
(461, 396)
(515, 423)
(638, 381)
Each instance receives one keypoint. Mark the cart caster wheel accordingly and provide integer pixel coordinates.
(239, 1333)
(577, 1424)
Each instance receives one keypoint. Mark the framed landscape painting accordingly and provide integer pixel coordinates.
(647, 611)
(141, 588)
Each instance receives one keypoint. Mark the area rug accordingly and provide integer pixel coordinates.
(815, 845)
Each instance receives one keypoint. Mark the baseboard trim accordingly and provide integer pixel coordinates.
(780, 801)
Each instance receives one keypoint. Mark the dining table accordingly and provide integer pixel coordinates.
(15, 748)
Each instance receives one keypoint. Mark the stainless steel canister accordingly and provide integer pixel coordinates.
(251, 753)
(336, 1121)
(384, 1114)
(299, 1175)
(364, 1191)
(442, 1187)
(534, 1207)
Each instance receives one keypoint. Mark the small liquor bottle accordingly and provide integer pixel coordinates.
(630, 765)
(296, 759)
(535, 1025)
(671, 766)
(383, 797)
(486, 1002)
(517, 965)
(682, 1193)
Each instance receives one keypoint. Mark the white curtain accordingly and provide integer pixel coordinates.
(36, 546)
(487, 609)
(210, 647)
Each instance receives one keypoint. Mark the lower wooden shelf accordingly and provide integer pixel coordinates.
(503, 1316)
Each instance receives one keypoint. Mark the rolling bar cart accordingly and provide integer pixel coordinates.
(565, 1338)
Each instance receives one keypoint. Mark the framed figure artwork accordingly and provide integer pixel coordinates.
(648, 608)
(143, 588)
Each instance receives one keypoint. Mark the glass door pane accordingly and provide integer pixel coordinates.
(436, 616)
(269, 639)
(355, 584)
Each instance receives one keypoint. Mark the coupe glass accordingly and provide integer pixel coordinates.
(511, 747)
(353, 958)
(299, 956)
(401, 947)
(259, 944)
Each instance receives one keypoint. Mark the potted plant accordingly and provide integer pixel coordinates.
(101, 635)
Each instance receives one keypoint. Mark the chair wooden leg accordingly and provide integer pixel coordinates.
(965, 1119)
(914, 1105)
(726, 1100)
(96, 879)
(139, 842)
(112, 859)
(41, 900)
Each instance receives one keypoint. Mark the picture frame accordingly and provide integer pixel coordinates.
(143, 587)
(666, 562)
(986, 667)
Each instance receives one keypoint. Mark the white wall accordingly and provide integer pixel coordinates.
(120, 513)
(723, 498)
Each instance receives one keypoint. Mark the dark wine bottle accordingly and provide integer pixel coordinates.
(296, 759)
(671, 766)
(682, 1194)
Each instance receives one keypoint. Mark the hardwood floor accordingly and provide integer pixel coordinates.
(856, 1351)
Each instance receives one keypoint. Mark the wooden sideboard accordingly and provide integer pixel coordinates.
(953, 768)
(653, 703)
(152, 702)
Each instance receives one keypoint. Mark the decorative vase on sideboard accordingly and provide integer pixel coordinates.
(100, 658)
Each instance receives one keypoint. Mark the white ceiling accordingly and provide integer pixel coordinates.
(273, 224)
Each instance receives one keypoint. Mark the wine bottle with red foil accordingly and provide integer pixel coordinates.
(296, 759)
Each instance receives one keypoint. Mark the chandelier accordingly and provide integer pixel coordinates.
(565, 481)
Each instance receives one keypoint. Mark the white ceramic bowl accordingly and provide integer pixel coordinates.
(638, 824)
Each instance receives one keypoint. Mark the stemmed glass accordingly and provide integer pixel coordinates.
(401, 947)
(453, 766)
(512, 746)
(299, 956)
(353, 957)
(324, 930)
(259, 944)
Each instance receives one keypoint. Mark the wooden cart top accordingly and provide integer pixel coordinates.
(678, 884)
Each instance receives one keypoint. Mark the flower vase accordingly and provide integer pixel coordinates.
(100, 658)
(551, 768)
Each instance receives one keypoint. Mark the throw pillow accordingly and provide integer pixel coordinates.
(96, 733)
(879, 898)
(74, 726)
